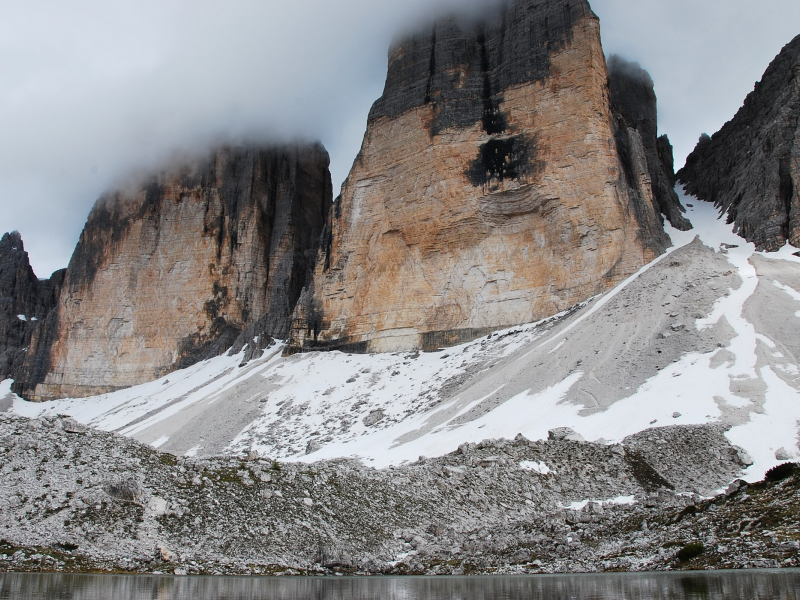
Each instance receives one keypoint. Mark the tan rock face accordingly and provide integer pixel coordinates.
(489, 190)
(169, 273)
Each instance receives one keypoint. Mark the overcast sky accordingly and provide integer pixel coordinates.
(91, 89)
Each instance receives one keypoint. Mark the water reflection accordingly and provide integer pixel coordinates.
(744, 585)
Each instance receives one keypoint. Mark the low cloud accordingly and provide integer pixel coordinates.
(94, 89)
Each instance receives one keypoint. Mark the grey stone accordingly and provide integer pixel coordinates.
(564, 433)
(374, 417)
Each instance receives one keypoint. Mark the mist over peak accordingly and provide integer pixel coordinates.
(94, 90)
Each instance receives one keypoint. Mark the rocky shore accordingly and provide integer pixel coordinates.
(76, 499)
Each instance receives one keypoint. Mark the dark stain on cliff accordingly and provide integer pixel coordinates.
(463, 67)
(502, 158)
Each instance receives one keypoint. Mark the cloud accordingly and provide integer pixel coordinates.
(91, 89)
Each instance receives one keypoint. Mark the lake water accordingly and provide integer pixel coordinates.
(731, 585)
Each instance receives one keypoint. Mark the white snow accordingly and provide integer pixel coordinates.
(538, 467)
(326, 396)
(22, 317)
(580, 505)
(160, 441)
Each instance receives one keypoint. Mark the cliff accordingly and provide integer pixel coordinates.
(633, 100)
(496, 185)
(750, 168)
(25, 302)
(170, 271)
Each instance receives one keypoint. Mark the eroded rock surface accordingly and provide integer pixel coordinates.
(489, 190)
(496, 507)
(751, 167)
(25, 302)
(169, 271)
(633, 99)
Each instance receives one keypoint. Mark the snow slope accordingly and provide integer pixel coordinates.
(708, 333)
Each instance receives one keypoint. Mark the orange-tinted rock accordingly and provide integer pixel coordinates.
(170, 272)
(489, 190)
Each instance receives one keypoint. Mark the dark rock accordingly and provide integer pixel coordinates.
(633, 99)
(464, 67)
(751, 167)
(25, 303)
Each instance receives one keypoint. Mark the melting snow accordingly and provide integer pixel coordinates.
(324, 398)
(583, 503)
(538, 467)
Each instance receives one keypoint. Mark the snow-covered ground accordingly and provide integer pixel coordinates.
(657, 350)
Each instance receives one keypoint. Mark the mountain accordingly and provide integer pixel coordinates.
(498, 183)
(750, 168)
(170, 270)
(25, 302)
(704, 335)
(623, 434)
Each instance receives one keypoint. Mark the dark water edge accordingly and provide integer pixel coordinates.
(781, 584)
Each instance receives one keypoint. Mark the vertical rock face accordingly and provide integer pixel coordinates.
(170, 272)
(489, 190)
(633, 100)
(751, 167)
(25, 302)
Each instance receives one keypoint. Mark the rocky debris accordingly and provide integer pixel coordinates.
(97, 501)
(226, 240)
(750, 168)
(633, 99)
(374, 417)
(564, 433)
(25, 302)
(488, 191)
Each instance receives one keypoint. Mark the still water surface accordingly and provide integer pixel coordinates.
(736, 585)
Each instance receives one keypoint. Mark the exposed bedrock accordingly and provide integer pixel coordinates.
(750, 168)
(633, 100)
(490, 189)
(25, 302)
(170, 271)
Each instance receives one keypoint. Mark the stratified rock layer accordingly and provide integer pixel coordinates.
(25, 302)
(751, 167)
(490, 189)
(170, 272)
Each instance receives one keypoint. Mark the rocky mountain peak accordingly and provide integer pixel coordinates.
(172, 270)
(495, 186)
(25, 302)
(11, 241)
(750, 168)
(634, 100)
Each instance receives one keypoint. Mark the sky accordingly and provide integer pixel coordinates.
(91, 90)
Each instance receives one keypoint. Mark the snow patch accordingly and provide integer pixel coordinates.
(620, 500)
(538, 467)
(160, 441)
